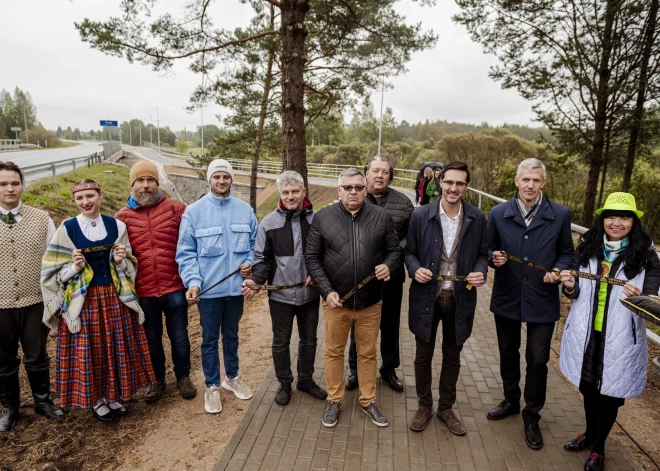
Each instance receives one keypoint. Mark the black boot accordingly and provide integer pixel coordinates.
(43, 405)
(10, 397)
(283, 394)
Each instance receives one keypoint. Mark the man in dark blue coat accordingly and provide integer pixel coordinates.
(538, 230)
(446, 237)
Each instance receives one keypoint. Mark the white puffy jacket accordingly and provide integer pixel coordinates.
(625, 359)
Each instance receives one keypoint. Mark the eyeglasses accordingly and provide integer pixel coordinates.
(450, 183)
(349, 188)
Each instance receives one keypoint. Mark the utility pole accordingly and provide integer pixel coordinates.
(202, 109)
(27, 134)
(158, 122)
(380, 128)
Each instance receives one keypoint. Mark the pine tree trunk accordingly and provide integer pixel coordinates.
(262, 121)
(600, 124)
(638, 114)
(606, 160)
(294, 33)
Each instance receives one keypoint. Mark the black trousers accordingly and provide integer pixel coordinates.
(23, 325)
(390, 320)
(307, 316)
(600, 411)
(445, 311)
(537, 355)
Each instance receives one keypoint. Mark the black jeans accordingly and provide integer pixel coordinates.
(537, 354)
(445, 311)
(23, 325)
(175, 307)
(390, 320)
(307, 316)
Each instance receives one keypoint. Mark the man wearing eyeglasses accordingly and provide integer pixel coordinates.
(380, 172)
(347, 243)
(446, 237)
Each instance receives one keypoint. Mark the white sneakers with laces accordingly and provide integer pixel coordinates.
(238, 387)
(212, 401)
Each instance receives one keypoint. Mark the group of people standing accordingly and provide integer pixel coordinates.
(105, 283)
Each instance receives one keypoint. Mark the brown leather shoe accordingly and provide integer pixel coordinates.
(453, 424)
(186, 388)
(421, 418)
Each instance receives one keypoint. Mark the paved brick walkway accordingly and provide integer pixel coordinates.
(271, 437)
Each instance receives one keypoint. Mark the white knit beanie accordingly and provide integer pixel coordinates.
(219, 165)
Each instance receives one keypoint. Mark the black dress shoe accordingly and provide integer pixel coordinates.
(283, 394)
(109, 417)
(533, 436)
(594, 462)
(313, 389)
(7, 419)
(351, 382)
(393, 382)
(121, 411)
(579, 443)
(49, 410)
(503, 410)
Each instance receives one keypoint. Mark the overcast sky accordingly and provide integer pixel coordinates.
(71, 84)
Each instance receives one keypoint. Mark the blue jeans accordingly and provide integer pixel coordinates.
(220, 315)
(175, 307)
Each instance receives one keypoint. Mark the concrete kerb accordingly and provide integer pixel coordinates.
(230, 449)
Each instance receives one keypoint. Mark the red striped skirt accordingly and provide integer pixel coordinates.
(109, 358)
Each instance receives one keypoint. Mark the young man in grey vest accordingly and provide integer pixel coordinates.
(24, 236)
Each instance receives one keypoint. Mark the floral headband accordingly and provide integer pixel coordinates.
(85, 186)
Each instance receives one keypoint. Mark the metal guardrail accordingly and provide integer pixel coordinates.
(51, 169)
(171, 153)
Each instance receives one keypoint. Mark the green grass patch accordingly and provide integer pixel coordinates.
(69, 144)
(55, 197)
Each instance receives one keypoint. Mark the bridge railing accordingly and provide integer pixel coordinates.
(34, 172)
(10, 145)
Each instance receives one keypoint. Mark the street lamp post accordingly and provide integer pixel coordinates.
(158, 122)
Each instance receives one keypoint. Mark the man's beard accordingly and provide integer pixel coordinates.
(145, 199)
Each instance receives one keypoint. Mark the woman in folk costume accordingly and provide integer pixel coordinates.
(603, 348)
(87, 280)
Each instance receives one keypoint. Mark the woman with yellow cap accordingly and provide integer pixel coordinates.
(603, 347)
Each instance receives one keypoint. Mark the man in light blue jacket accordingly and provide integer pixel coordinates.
(216, 237)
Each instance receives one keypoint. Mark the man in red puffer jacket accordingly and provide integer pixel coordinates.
(153, 222)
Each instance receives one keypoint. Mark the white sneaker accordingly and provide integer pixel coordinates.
(212, 402)
(238, 387)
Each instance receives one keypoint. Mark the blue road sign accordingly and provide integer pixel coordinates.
(108, 123)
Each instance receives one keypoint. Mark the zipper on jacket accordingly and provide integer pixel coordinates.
(153, 258)
(634, 331)
(355, 258)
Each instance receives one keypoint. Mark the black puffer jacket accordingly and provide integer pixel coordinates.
(400, 208)
(342, 249)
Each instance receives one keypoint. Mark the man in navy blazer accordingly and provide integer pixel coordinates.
(446, 237)
(534, 228)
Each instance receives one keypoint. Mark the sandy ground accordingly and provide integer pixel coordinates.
(184, 435)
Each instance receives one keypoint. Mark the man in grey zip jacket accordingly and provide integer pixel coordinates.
(279, 260)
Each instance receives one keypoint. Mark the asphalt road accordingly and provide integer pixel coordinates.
(48, 156)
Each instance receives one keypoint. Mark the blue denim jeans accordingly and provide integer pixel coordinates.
(218, 315)
(175, 307)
